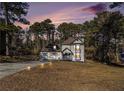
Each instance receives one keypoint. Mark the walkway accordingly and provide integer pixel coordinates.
(10, 68)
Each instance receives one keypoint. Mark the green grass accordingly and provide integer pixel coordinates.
(67, 76)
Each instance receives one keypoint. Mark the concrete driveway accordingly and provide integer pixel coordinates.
(10, 68)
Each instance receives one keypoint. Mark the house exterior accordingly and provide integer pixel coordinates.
(71, 49)
(47, 54)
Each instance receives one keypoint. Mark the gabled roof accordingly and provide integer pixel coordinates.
(66, 49)
(70, 40)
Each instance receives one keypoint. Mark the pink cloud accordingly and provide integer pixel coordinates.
(71, 14)
(65, 15)
(55, 17)
(21, 25)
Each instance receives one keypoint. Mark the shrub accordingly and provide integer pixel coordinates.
(89, 52)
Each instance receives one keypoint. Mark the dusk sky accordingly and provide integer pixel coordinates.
(77, 12)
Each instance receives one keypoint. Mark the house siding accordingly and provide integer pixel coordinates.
(66, 46)
(82, 53)
(71, 47)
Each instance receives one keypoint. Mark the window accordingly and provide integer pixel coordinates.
(77, 52)
(77, 47)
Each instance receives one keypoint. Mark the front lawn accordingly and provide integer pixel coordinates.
(66, 76)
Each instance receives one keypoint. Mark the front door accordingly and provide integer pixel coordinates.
(67, 54)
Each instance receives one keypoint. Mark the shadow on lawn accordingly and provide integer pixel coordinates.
(112, 64)
(116, 65)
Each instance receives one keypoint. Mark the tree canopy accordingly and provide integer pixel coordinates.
(15, 11)
(69, 29)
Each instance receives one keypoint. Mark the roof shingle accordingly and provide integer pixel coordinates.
(70, 40)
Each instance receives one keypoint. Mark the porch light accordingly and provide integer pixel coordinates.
(42, 65)
(28, 68)
(54, 47)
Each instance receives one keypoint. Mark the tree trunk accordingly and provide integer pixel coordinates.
(116, 48)
(49, 39)
(52, 36)
(7, 47)
(6, 22)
